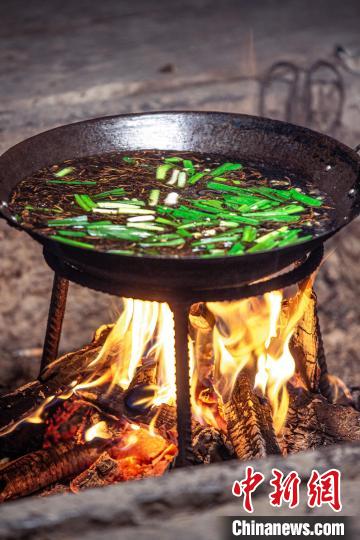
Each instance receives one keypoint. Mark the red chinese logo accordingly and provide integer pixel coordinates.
(325, 489)
(247, 486)
(285, 489)
(321, 489)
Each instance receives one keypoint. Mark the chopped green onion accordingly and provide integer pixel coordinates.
(39, 209)
(136, 219)
(162, 171)
(195, 224)
(228, 224)
(249, 234)
(71, 242)
(226, 167)
(189, 166)
(123, 210)
(271, 235)
(154, 197)
(306, 199)
(182, 179)
(64, 172)
(82, 203)
(195, 178)
(173, 159)
(72, 182)
(166, 243)
(121, 252)
(112, 192)
(147, 227)
(165, 221)
(215, 239)
(173, 178)
(77, 220)
(71, 233)
(117, 204)
(96, 224)
(236, 249)
(222, 187)
(263, 246)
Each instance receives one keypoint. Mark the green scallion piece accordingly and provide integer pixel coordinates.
(129, 160)
(236, 249)
(82, 203)
(96, 224)
(71, 242)
(147, 227)
(193, 224)
(77, 220)
(121, 252)
(240, 219)
(189, 166)
(195, 178)
(263, 246)
(154, 197)
(216, 239)
(167, 243)
(72, 182)
(222, 187)
(249, 234)
(226, 167)
(184, 233)
(39, 209)
(306, 199)
(162, 171)
(111, 193)
(173, 159)
(64, 172)
(181, 182)
(71, 233)
(271, 235)
(165, 221)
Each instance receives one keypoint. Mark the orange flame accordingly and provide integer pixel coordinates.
(251, 334)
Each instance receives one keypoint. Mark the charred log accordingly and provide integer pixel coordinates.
(45, 467)
(104, 471)
(210, 445)
(249, 422)
(312, 421)
(304, 346)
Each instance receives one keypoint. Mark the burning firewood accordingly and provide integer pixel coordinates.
(249, 421)
(312, 422)
(105, 470)
(40, 469)
(304, 346)
(201, 317)
(210, 444)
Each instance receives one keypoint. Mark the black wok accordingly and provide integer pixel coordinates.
(333, 168)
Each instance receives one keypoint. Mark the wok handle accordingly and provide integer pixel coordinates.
(5, 214)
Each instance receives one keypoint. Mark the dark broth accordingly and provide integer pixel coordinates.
(229, 222)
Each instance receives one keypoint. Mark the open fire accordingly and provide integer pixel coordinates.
(107, 413)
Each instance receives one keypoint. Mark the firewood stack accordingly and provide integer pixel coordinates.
(133, 439)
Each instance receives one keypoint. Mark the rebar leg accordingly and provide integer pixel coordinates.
(55, 321)
(183, 404)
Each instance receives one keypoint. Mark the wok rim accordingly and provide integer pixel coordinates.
(306, 246)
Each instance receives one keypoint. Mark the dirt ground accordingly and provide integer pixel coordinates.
(87, 59)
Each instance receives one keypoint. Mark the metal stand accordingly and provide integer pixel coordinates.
(55, 321)
(183, 403)
(180, 302)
